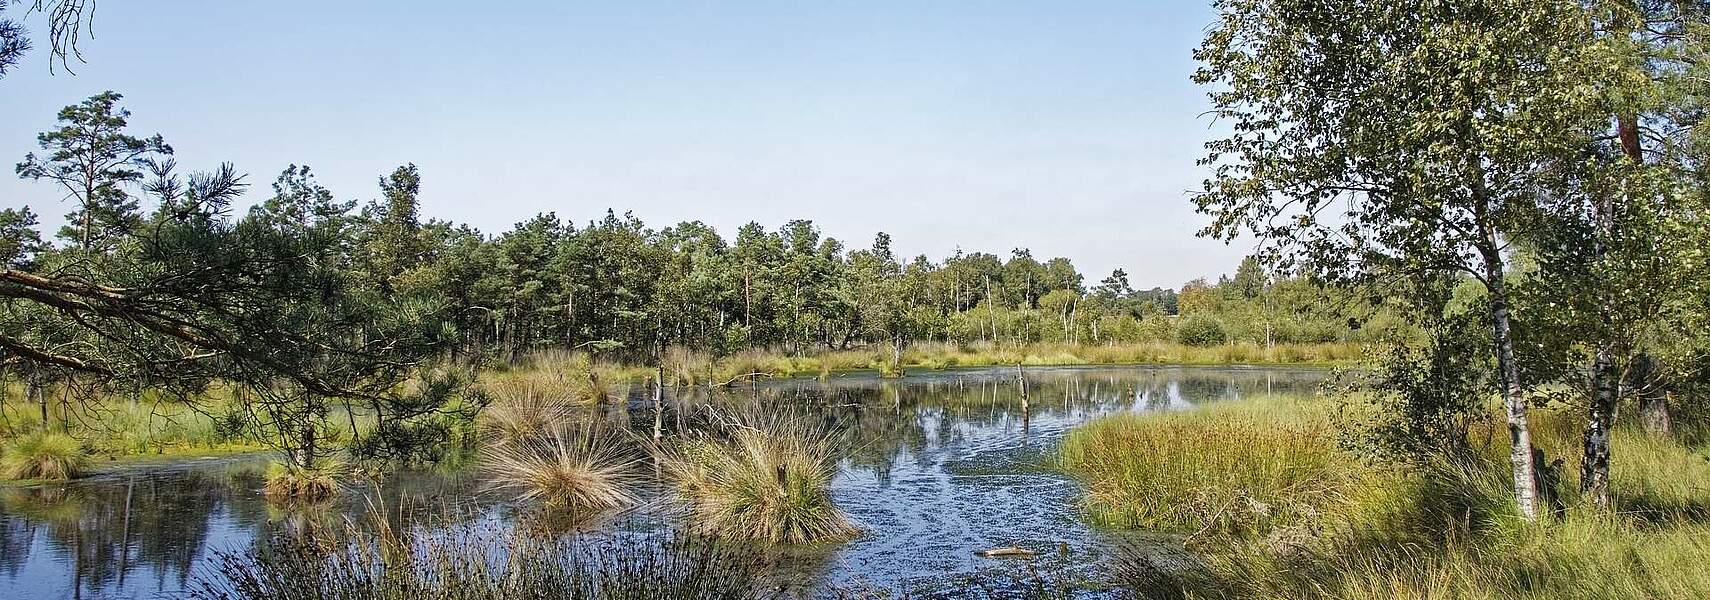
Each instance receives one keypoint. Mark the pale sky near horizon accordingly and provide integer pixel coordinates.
(1068, 129)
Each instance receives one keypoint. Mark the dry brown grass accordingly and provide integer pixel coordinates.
(583, 471)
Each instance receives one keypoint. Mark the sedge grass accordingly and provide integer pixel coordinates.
(765, 479)
(582, 472)
(290, 485)
(1445, 530)
(43, 455)
(484, 564)
(1229, 467)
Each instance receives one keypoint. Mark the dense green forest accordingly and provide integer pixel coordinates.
(616, 284)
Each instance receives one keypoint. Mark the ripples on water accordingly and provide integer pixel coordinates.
(940, 465)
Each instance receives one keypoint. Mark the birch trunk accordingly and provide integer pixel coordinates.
(1513, 397)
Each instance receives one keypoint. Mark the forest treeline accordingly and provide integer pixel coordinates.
(305, 302)
(618, 286)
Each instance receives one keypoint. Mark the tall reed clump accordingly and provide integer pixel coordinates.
(486, 564)
(766, 478)
(1228, 468)
(584, 471)
(43, 455)
(573, 376)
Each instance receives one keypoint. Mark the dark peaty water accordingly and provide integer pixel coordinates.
(940, 465)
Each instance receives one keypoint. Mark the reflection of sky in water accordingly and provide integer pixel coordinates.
(939, 465)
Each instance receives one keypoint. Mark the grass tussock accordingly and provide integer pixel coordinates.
(480, 564)
(43, 455)
(293, 485)
(1236, 467)
(521, 413)
(766, 479)
(574, 377)
(1445, 529)
(582, 472)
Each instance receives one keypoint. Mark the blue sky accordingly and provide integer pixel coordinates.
(1068, 129)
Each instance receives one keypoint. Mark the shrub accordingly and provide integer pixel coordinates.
(44, 455)
(1201, 330)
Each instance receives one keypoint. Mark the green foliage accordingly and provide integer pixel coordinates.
(1201, 330)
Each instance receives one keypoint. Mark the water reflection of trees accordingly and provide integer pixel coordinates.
(150, 526)
(887, 421)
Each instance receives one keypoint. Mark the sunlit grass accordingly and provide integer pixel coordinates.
(766, 479)
(43, 455)
(1443, 530)
(580, 471)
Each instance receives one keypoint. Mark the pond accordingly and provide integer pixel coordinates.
(938, 465)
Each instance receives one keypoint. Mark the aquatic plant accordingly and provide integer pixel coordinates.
(1232, 467)
(293, 484)
(522, 412)
(581, 471)
(43, 455)
(765, 478)
(487, 564)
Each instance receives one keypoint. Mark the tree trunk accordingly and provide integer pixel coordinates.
(1513, 397)
(1653, 396)
(1594, 466)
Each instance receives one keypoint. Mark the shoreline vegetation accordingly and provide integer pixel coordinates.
(1273, 503)
(124, 430)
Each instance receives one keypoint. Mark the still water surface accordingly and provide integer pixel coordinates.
(939, 465)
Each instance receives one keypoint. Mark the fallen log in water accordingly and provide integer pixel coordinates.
(1003, 552)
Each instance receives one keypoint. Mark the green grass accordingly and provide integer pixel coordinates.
(43, 455)
(1233, 467)
(1340, 527)
(691, 368)
(765, 479)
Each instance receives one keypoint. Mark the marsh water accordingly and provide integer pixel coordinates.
(938, 465)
